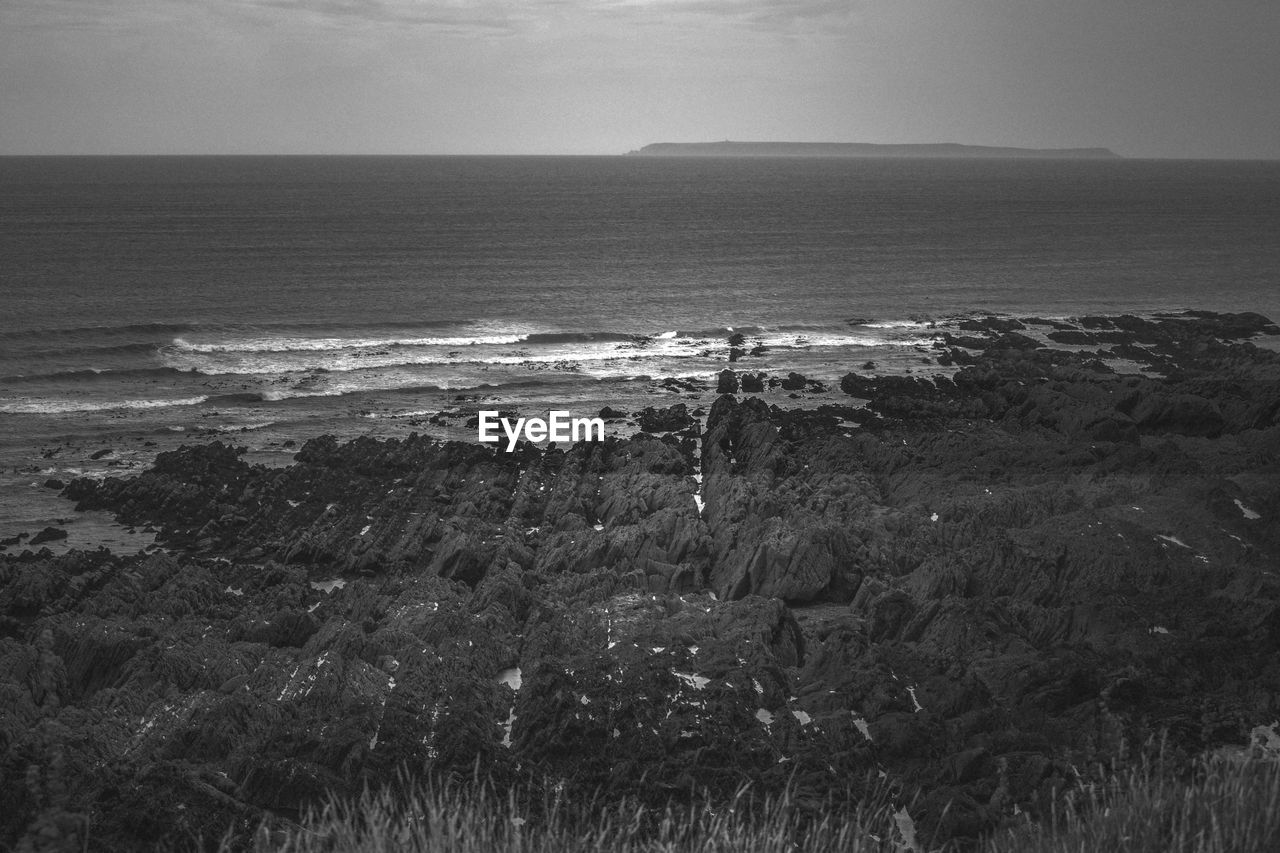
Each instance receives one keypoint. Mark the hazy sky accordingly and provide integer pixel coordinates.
(1162, 78)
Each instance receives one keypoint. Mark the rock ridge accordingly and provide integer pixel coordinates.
(975, 584)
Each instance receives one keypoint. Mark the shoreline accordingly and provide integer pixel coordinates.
(972, 584)
(100, 444)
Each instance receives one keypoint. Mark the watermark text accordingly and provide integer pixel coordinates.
(558, 426)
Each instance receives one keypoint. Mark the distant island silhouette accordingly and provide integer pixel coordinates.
(859, 149)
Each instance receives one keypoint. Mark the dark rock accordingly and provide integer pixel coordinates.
(857, 386)
(1042, 321)
(1072, 336)
(54, 483)
(793, 382)
(977, 585)
(1185, 414)
(991, 324)
(670, 419)
(966, 341)
(672, 383)
(727, 382)
(49, 534)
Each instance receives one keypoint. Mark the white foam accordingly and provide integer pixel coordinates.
(793, 340)
(328, 586)
(288, 344)
(598, 358)
(274, 395)
(35, 406)
(897, 324)
(220, 362)
(243, 427)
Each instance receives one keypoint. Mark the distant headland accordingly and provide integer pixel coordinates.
(859, 149)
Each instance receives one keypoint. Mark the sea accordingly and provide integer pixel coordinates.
(147, 302)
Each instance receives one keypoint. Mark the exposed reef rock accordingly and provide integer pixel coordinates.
(973, 584)
(670, 419)
(49, 534)
(793, 382)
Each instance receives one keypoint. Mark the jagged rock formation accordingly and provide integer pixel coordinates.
(971, 584)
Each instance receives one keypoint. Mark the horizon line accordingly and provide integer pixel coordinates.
(628, 155)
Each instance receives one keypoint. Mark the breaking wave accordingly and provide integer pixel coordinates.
(28, 406)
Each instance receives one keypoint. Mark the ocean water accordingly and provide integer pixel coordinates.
(286, 296)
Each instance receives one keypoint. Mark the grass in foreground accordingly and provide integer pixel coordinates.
(474, 819)
(1220, 805)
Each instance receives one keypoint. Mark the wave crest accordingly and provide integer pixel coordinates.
(29, 406)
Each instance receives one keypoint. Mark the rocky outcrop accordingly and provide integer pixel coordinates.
(669, 419)
(793, 382)
(976, 585)
(776, 531)
(49, 534)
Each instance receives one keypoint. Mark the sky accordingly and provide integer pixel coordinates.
(1146, 78)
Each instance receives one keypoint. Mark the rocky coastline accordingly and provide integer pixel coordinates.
(977, 586)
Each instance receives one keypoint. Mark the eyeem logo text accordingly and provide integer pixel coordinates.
(558, 426)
